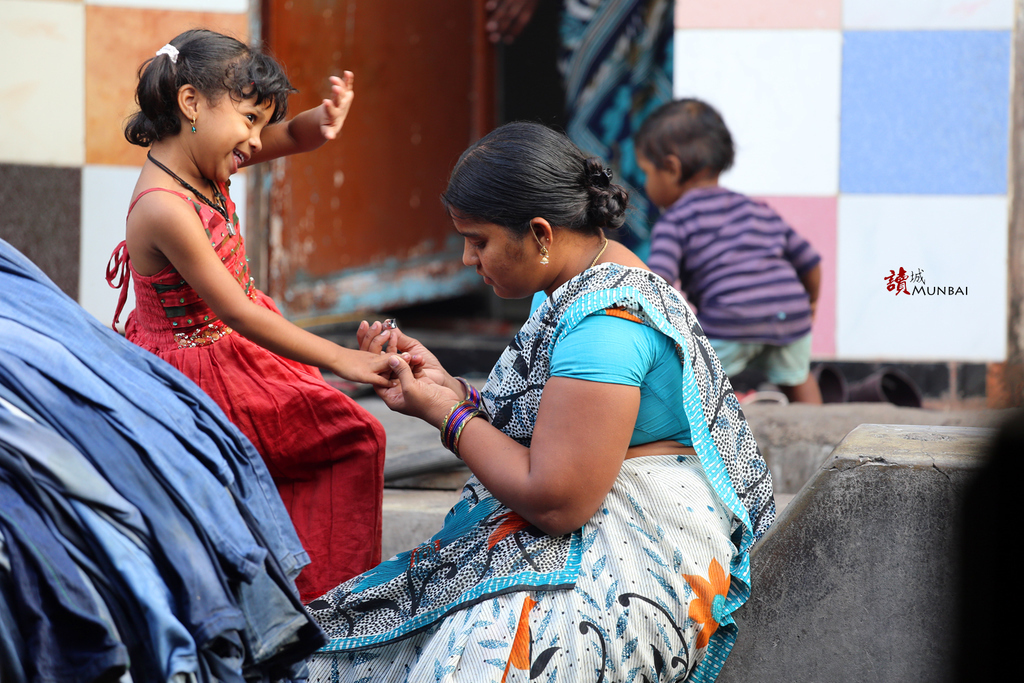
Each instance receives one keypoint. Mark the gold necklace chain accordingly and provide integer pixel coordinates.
(603, 247)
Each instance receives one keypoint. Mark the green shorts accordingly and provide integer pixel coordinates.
(787, 366)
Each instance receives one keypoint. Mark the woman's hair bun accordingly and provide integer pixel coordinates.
(595, 172)
(523, 170)
(608, 201)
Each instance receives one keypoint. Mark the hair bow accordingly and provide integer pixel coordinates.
(170, 51)
(601, 178)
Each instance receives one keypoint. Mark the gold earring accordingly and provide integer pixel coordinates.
(193, 124)
(543, 250)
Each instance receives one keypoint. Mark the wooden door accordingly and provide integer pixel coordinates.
(358, 223)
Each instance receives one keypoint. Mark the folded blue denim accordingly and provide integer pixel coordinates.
(203, 495)
(69, 489)
(12, 645)
(30, 298)
(64, 638)
(205, 604)
(198, 484)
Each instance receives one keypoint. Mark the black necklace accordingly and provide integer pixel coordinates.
(220, 206)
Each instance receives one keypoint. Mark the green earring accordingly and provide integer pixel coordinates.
(193, 124)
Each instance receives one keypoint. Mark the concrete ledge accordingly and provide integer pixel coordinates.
(856, 581)
(796, 439)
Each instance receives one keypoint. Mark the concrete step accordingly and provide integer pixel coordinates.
(796, 439)
(857, 580)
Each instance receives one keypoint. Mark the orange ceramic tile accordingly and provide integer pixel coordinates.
(117, 41)
(759, 13)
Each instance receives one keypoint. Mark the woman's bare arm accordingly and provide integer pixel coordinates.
(579, 443)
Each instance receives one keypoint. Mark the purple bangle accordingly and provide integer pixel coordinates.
(460, 414)
(472, 395)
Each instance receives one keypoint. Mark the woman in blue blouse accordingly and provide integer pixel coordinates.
(602, 534)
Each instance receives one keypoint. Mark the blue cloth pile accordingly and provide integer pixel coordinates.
(141, 536)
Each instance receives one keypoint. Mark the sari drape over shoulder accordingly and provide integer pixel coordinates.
(485, 550)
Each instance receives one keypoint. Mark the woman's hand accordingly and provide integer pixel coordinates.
(417, 396)
(335, 108)
(377, 338)
(507, 18)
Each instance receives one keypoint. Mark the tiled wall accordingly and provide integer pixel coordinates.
(67, 84)
(880, 129)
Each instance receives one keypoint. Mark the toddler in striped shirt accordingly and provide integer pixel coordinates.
(753, 280)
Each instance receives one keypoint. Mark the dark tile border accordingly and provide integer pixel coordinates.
(41, 216)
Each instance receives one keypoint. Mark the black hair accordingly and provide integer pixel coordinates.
(215, 64)
(523, 170)
(692, 131)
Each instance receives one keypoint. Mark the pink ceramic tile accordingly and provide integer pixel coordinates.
(815, 219)
(759, 13)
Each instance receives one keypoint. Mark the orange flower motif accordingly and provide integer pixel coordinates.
(520, 656)
(511, 523)
(706, 608)
(624, 314)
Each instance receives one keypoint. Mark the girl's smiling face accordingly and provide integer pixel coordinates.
(227, 134)
(500, 259)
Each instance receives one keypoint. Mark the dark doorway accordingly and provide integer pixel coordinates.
(529, 84)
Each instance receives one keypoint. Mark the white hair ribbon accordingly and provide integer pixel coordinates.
(170, 51)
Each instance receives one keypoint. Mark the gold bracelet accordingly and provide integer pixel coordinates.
(444, 422)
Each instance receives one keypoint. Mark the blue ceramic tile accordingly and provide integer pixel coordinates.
(925, 112)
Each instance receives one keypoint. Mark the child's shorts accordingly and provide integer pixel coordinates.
(787, 366)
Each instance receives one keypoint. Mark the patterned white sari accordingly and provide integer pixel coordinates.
(644, 591)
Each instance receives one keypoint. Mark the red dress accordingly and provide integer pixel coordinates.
(325, 452)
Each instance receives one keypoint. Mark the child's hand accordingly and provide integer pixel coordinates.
(334, 110)
(361, 366)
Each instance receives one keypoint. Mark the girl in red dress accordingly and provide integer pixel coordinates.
(209, 105)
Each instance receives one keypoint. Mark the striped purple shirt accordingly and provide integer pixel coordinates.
(738, 262)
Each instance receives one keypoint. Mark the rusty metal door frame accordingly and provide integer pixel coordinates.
(427, 272)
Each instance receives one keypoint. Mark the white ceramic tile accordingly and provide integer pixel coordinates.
(928, 14)
(956, 242)
(42, 82)
(778, 92)
(106, 195)
(181, 5)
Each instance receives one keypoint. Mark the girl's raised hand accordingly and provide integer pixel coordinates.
(334, 109)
